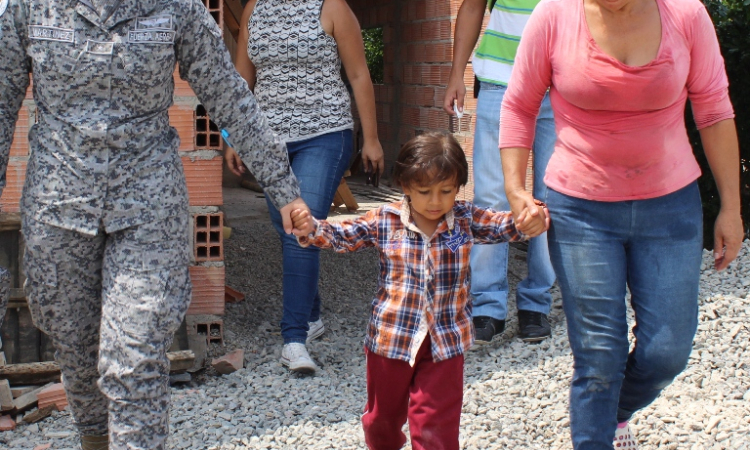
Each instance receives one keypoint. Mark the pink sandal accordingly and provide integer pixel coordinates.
(624, 438)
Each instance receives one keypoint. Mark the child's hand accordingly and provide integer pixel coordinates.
(303, 221)
(533, 223)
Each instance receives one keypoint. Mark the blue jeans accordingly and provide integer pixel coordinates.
(489, 263)
(653, 247)
(319, 163)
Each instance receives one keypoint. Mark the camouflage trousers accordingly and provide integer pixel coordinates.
(111, 304)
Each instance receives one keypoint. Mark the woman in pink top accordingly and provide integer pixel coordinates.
(623, 198)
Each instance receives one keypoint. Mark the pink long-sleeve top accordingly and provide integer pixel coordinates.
(620, 129)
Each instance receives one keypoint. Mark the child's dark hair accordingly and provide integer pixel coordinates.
(431, 158)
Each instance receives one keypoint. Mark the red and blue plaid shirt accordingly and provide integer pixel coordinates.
(423, 286)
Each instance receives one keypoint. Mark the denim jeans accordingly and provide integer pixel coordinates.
(318, 163)
(651, 247)
(489, 263)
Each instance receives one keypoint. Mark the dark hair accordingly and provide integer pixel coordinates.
(431, 158)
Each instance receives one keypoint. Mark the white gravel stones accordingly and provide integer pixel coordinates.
(515, 397)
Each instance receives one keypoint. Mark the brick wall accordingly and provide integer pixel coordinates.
(418, 38)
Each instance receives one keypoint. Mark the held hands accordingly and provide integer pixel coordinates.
(290, 225)
(303, 221)
(531, 216)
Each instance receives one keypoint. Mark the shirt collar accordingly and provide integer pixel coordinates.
(404, 212)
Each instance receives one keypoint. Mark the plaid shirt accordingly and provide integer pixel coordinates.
(423, 286)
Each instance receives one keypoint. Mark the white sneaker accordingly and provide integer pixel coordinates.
(315, 330)
(295, 357)
(624, 439)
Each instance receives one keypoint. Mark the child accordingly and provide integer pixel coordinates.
(421, 318)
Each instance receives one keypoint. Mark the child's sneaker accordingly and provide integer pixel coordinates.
(315, 330)
(295, 357)
(624, 438)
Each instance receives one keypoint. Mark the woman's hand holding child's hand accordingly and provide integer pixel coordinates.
(533, 223)
(303, 221)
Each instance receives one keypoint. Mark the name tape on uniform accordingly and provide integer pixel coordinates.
(153, 23)
(151, 37)
(3, 7)
(51, 33)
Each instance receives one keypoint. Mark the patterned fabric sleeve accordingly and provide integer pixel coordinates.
(347, 236)
(14, 67)
(491, 227)
(205, 64)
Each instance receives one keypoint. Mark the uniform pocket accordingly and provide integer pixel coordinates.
(52, 58)
(148, 63)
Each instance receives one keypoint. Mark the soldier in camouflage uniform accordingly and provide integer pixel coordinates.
(104, 207)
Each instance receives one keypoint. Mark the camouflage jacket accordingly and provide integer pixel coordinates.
(102, 150)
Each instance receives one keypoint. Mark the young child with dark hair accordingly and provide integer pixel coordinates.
(421, 323)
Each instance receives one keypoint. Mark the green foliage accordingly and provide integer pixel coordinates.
(732, 21)
(373, 39)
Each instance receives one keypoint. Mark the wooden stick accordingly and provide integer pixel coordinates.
(39, 414)
(49, 371)
(31, 373)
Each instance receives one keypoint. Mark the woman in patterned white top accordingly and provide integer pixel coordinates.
(290, 53)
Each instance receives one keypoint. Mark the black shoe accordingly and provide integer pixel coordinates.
(533, 326)
(485, 328)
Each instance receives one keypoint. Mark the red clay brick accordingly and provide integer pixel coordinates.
(182, 118)
(208, 290)
(203, 178)
(207, 134)
(53, 395)
(181, 87)
(30, 89)
(208, 237)
(15, 176)
(7, 424)
(20, 145)
(231, 362)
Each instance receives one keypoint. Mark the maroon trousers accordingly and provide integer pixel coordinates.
(429, 394)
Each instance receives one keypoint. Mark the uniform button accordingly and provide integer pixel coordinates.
(429, 245)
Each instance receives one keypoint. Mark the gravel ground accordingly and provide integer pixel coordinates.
(515, 396)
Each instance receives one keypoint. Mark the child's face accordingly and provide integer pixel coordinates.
(434, 201)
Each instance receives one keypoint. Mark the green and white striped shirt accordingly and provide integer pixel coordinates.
(493, 59)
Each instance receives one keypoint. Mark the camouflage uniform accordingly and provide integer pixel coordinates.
(104, 208)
